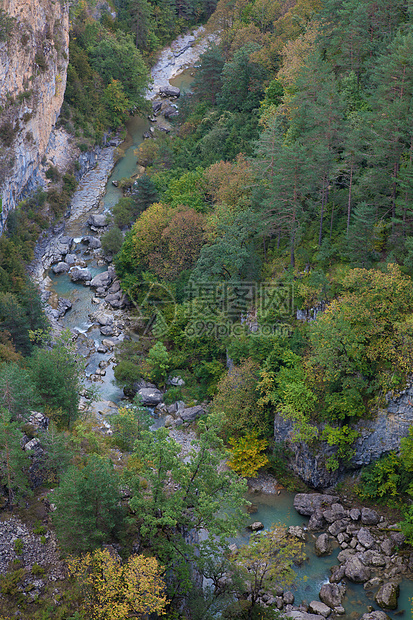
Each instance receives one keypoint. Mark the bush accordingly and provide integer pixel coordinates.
(112, 241)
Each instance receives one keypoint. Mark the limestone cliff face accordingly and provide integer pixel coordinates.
(33, 67)
(378, 436)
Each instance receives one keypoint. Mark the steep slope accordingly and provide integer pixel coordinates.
(34, 43)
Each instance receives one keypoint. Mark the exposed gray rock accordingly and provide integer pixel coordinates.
(168, 91)
(97, 220)
(354, 514)
(288, 598)
(150, 396)
(256, 526)
(38, 420)
(372, 558)
(170, 111)
(107, 330)
(302, 615)
(93, 242)
(334, 513)
(61, 267)
(375, 615)
(337, 527)
(369, 516)
(387, 595)
(189, 414)
(356, 571)
(156, 106)
(365, 538)
(307, 503)
(317, 607)
(317, 521)
(387, 546)
(77, 274)
(70, 259)
(63, 306)
(332, 594)
(33, 444)
(176, 381)
(337, 574)
(323, 545)
(103, 279)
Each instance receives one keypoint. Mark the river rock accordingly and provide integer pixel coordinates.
(102, 280)
(150, 396)
(307, 503)
(169, 421)
(97, 220)
(334, 513)
(70, 259)
(169, 91)
(175, 407)
(61, 267)
(317, 521)
(302, 615)
(356, 571)
(288, 598)
(365, 538)
(256, 526)
(156, 106)
(337, 574)
(33, 444)
(189, 414)
(337, 527)
(114, 288)
(78, 274)
(369, 516)
(63, 306)
(93, 242)
(375, 615)
(354, 514)
(387, 596)
(107, 330)
(323, 545)
(332, 594)
(170, 112)
(317, 607)
(372, 558)
(387, 546)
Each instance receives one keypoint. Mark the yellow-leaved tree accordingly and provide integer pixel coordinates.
(247, 454)
(116, 591)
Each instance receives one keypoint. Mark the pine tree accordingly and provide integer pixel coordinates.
(14, 462)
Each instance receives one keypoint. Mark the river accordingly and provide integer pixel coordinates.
(270, 508)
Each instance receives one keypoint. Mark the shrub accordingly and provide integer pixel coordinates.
(112, 241)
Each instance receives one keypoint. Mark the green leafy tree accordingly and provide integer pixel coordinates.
(14, 462)
(266, 563)
(116, 103)
(204, 499)
(56, 373)
(87, 505)
(112, 241)
(17, 394)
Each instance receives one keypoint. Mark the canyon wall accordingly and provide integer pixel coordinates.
(34, 54)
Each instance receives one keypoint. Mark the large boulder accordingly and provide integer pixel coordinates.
(61, 267)
(97, 220)
(334, 513)
(169, 91)
(317, 521)
(355, 570)
(79, 274)
(323, 545)
(369, 516)
(307, 503)
(150, 396)
(365, 537)
(317, 607)
(387, 595)
(93, 242)
(375, 615)
(103, 279)
(170, 111)
(189, 414)
(332, 594)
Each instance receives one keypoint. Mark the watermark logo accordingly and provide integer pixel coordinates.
(216, 309)
(155, 306)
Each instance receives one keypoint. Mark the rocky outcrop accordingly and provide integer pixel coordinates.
(377, 436)
(33, 66)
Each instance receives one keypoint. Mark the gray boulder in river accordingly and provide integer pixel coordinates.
(150, 396)
(78, 274)
(169, 91)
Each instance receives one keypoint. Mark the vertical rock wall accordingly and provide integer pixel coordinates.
(34, 55)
